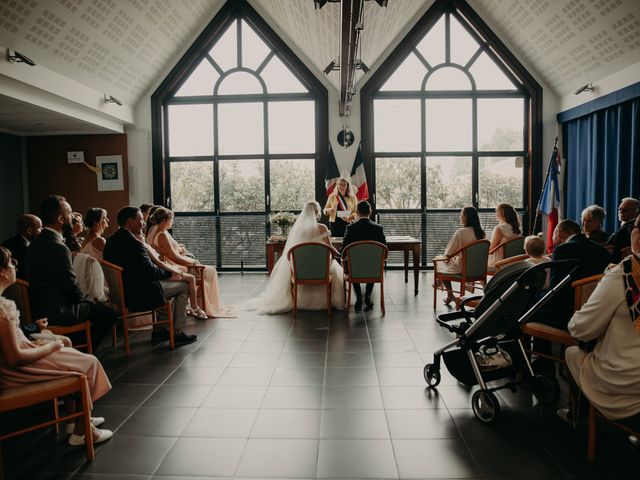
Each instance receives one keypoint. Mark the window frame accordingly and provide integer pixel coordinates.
(510, 66)
(164, 96)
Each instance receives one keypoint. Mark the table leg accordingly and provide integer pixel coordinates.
(416, 267)
(270, 255)
(406, 266)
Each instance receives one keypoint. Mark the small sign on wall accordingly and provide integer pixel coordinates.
(75, 157)
(110, 174)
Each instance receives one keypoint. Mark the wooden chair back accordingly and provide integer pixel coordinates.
(310, 263)
(363, 262)
(16, 398)
(583, 288)
(115, 282)
(510, 247)
(510, 261)
(474, 260)
(19, 293)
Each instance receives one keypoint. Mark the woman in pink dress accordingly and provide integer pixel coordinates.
(25, 362)
(173, 253)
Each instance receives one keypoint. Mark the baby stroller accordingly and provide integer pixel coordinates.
(488, 345)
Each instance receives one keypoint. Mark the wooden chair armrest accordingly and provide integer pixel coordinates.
(546, 332)
(66, 329)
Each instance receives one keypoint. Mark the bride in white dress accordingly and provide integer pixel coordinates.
(276, 297)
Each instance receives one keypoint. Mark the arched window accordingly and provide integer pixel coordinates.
(447, 122)
(238, 128)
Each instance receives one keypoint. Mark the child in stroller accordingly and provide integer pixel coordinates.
(488, 345)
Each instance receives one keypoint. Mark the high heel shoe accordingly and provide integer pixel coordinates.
(199, 313)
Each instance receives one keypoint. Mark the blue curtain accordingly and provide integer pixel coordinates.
(602, 150)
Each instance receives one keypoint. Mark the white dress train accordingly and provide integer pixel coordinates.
(276, 297)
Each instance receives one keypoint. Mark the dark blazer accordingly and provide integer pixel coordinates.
(363, 229)
(141, 277)
(593, 259)
(53, 288)
(17, 245)
(620, 239)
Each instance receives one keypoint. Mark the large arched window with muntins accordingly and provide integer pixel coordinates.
(447, 123)
(241, 125)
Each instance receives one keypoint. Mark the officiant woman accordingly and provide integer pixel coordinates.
(341, 207)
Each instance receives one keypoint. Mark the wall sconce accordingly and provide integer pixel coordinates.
(585, 88)
(13, 57)
(111, 99)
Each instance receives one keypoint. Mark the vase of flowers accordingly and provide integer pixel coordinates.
(284, 220)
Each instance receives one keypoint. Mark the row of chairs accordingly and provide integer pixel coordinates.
(19, 292)
(474, 269)
(362, 262)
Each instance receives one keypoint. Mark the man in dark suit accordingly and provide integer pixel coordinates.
(28, 227)
(145, 285)
(53, 287)
(363, 229)
(627, 214)
(592, 258)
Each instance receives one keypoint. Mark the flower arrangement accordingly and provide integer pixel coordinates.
(284, 220)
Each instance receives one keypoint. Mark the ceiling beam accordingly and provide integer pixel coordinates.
(349, 37)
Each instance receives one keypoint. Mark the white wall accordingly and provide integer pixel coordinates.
(603, 86)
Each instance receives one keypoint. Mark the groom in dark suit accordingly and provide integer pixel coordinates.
(363, 229)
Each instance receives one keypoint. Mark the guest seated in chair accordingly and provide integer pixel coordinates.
(172, 253)
(28, 227)
(534, 247)
(508, 227)
(627, 214)
(469, 233)
(97, 222)
(24, 362)
(145, 285)
(571, 244)
(592, 220)
(363, 229)
(72, 234)
(609, 375)
(54, 290)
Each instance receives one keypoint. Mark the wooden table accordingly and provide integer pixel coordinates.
(395, 244)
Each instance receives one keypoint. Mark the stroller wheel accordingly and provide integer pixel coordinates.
(485, 406)
(431, 375)
(545, 388)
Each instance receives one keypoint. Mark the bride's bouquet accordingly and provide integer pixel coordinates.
(284, 220)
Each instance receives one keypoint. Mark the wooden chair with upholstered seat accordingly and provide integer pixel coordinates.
(19, 293)
(310, 265)
(473, 269)
(363, 262)
(15, 398)
(510, 261)
(113, 276)
(582, 290)
(512, 247)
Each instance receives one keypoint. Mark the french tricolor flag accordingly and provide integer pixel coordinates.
(549, 203)
(358, 176)
(332, 173)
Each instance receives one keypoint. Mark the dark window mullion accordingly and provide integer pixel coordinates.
(475, 193)
(447, 38)
(265, 62)
(239, 43)
(216, 184)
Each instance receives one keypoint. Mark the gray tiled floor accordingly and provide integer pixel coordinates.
(274, 397)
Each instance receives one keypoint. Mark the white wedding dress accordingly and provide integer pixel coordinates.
(276, 297)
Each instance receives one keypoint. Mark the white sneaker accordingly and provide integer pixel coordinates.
(95, 421)
(78, 440)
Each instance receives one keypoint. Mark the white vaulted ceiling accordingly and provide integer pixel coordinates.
(123, 47)
(115, 46)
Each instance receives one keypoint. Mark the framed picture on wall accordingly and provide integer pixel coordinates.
(110, 174)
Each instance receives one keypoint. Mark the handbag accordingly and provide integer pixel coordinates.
(492, 357)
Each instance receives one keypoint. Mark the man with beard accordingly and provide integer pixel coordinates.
(53, 287)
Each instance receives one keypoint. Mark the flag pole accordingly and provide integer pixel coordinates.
(537, 226)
